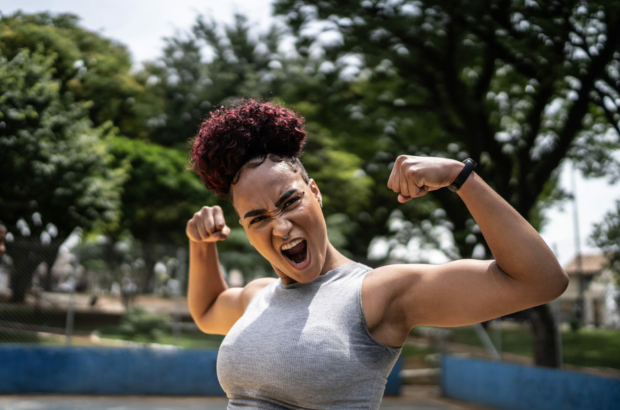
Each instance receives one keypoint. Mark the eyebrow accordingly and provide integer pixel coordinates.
(283, 198)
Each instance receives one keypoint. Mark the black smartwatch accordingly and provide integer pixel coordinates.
(470, 164)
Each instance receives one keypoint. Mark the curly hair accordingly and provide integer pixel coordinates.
(248, 131)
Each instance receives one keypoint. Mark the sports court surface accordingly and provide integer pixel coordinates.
(414, 397)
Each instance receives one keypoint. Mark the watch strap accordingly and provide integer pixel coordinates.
(470, 164)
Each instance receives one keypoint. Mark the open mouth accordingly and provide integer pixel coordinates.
(296, 252)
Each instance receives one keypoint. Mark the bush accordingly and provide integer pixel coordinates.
(137, 322)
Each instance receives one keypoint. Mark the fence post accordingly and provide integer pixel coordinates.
(484, 338)
(557, 309)
(70, 308)
(497, 335)
(180, 275)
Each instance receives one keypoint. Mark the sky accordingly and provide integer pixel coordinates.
(142, 25)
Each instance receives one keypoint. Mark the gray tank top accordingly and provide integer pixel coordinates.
(306, 346)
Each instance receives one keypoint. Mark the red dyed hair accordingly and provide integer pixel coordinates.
(234, 135)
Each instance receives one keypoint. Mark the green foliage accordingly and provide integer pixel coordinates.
(606, 236)
(160, 194)
(88, 66)
(518, 86)
(575, 324)
(189, 85)
(138, 323)
(52, 160)
(580, 347)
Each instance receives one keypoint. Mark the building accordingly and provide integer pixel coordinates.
(600, 292)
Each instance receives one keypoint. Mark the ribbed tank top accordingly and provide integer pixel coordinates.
(306, 346)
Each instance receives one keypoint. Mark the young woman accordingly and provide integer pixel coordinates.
(327, 332)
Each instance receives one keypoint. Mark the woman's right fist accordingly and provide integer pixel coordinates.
(208, 225)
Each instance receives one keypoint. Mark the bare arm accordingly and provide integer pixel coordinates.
(518, 249)
(525, 273)
(213, 305)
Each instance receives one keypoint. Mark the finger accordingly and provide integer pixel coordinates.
(405, 180)
(402, 198)
(224, 233)
(396, 180)
(415, 190)
(218, 218)
(192, 232)
(200, 227)
(422, 191)
(391, 178)
(209, 223)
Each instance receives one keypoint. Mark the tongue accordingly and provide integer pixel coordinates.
(297, 253)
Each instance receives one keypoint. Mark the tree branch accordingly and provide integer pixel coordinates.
(608, 114)
(549, 162)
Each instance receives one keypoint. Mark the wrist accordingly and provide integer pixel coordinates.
(464, 174)
(201, 246)
(456, 168)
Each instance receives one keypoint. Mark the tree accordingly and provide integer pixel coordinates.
(53, 163)
(213, 65)
(159, 196)
(519, 86)
(88, 65)
(606, 236)
(190, 83)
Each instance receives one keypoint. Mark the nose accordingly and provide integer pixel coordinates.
(282, 226)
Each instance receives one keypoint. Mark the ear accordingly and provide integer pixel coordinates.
(314, 188)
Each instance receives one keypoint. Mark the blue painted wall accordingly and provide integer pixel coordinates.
(392, 387)
(104, 371)
(517, 387)
(93, 370)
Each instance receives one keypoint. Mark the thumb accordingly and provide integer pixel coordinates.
(402, 198)
(224, 233)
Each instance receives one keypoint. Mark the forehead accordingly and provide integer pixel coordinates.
(261, 187)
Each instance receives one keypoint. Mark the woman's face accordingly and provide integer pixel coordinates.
(273, 201)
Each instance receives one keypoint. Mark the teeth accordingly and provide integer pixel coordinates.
(290, 245)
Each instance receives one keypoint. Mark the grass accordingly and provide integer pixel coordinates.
(188, 340)
(585, 347)
(416, 351)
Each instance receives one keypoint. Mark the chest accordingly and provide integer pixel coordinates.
(311, 350)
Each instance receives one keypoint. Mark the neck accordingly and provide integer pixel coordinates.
(333, 259)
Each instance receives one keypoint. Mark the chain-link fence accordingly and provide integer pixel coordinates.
(110, 294)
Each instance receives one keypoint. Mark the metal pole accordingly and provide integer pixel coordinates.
(484, 338)
(497, 333)
(70, 308)
(558, 320)
(578, 261)
(558, 326)
(180, 275)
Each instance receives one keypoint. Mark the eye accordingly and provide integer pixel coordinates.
(291, 202)
(258, 219)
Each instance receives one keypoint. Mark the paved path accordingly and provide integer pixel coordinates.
(414, 398)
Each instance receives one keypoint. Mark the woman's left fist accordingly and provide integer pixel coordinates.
(414, 176)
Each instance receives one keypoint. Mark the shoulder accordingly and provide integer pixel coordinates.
(252, 288)
(382, 291)
(391, 280)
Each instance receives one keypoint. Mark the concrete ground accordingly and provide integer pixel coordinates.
(414, 397)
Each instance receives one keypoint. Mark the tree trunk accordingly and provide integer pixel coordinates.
(49, 257)
(27, 254)
(544, 332)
